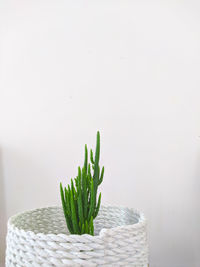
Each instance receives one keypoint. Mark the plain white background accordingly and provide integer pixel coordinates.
(127, 68)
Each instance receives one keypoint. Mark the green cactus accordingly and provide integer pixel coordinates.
(79, 202)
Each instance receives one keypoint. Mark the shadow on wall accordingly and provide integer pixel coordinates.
(2, 213)
(197, 204)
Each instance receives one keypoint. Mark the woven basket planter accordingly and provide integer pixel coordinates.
(40, 238)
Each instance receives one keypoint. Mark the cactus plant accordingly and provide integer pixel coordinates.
(79, 200)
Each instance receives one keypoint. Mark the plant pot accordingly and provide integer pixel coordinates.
(40, 238)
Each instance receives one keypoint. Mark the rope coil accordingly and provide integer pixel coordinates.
(40, 238)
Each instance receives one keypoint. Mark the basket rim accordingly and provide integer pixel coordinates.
(142, 221)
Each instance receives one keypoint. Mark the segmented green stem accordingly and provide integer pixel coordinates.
(79, 201)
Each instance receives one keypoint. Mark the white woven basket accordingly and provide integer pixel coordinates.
(40, 238)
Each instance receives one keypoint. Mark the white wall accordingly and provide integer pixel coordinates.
(127, 68)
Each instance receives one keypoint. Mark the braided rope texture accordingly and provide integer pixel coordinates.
(40, 238)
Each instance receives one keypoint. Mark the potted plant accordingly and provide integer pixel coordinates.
(81, 232)
(79, 201)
